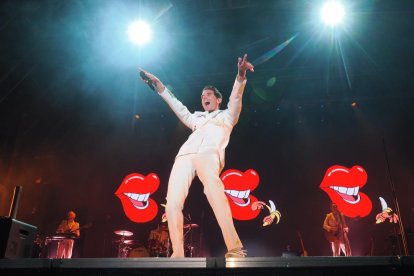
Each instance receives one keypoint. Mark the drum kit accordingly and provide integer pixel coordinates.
(159, 244)
(188, 236)
(124, 243)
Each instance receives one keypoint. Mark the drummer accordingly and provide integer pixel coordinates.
(159, 241)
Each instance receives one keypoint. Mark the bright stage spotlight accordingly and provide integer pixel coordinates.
(139, 32)
(332, 13)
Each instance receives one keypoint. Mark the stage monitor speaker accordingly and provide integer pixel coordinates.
(410, 241)
(288, 254)
(16, 239)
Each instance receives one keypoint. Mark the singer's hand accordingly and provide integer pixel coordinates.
(159, 86)
(243, 65)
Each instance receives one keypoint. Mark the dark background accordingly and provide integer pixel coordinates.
(69, 90)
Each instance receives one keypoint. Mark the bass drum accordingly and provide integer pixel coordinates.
(139, 252)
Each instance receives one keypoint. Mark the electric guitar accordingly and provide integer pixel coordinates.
(332, 235)
(70, 233)
(337, 232)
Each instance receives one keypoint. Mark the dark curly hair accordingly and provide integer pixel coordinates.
(216, 91)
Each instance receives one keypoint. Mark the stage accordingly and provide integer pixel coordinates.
(381, 265)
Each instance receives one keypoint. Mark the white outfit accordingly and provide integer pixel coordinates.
(65, 246)
(202, 155)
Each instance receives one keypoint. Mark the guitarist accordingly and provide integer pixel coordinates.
(70, 228)
(336, 232)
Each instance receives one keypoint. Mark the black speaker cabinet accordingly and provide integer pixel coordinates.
(16, 238)
(410, 241)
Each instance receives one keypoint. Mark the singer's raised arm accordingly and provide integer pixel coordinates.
(158, 85)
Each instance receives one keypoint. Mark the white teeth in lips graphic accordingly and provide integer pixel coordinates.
(347, 191)
(239, 194)
(139, 197)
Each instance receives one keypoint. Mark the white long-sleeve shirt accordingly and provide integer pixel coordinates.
(211, 131)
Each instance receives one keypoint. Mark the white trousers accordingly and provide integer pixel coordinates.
(64, 249)
(207, 167)
(341, 245)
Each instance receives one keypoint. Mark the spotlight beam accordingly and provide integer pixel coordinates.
(268, 55)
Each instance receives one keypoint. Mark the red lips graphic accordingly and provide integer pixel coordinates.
(134, 193)
(237, 187)
(343, 188)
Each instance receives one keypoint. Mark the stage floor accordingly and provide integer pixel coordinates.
(381, 265)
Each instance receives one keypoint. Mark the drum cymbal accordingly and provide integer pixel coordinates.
(61, 237)
(124, 233)
(131, 242)
(191, 225)
(124, 241)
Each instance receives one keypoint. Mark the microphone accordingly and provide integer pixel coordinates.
(147, 79)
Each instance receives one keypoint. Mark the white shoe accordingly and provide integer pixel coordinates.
(237, 252)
